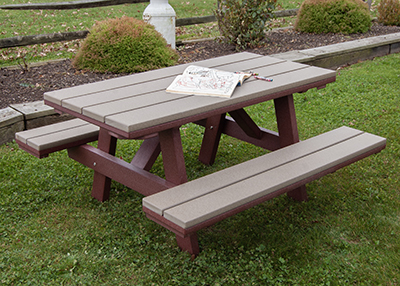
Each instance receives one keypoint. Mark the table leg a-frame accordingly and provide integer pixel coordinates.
(172, 154)
(101, 183)
(211, 138)
(168, 142)
(288, 134)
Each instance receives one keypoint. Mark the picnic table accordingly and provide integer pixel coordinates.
(137, 107)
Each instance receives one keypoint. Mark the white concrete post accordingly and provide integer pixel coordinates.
(162, 16)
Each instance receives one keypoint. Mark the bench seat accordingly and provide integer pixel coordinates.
(189, 207)
(47, 139)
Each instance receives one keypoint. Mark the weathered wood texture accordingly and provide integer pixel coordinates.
(41, 39)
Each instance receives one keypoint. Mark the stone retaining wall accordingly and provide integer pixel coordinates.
(19, 117)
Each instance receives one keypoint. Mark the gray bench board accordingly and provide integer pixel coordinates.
(200, 200)
(51, 138)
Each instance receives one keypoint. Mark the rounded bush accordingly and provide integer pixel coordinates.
(333, 16)
(389, 12)
(124, 45)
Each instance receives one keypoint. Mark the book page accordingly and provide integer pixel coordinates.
(204, 81)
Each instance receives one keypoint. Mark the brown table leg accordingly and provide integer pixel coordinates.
(288, 134)
(172, 154)
(101, 183)
(211, 138)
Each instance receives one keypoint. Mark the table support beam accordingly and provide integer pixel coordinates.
(268, 139)
(117, 169)
(147, 154)
(189, 243)
(246, 123)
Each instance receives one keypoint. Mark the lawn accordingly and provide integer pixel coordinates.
(52, 232)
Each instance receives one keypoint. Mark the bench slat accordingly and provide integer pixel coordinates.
(228, 189)
(63, 137)
(159, 202)
(23, 136)
(215, 203)
(51, 138)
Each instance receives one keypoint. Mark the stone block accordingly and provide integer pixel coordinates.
(11, 121)
(395, 48)
(335, 61)
(32, 110)
(38, 114)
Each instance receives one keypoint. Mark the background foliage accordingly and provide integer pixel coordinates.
(333, 16)
(243, 23)
(389, 12)
(124, 45)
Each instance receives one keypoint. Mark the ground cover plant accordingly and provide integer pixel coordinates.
(348, 233)
(121, 45)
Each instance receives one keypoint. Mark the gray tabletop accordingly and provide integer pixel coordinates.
(139, 101)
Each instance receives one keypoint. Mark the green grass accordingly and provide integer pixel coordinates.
(52, 232)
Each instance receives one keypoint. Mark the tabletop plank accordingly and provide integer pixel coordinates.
(124, 98)
(57, 96)
(139, 101)
(78, 103)
(252, 64)
(102, 105)
(148, 116)
(160, 113)
(101, 111)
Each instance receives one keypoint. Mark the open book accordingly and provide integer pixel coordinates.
(205, 81)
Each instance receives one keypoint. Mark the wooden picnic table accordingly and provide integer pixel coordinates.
(137, 107)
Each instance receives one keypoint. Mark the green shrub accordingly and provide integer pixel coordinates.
(124, 45)
(333, 16)
(243, 22)
(389, 12)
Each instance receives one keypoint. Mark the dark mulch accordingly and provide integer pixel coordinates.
(18, 86)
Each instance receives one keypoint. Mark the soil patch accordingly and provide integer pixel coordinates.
(18, 86)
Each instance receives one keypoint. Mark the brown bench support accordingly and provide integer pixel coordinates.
(197, 204)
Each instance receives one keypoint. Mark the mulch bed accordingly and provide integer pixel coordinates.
(18, 86)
